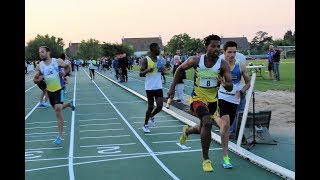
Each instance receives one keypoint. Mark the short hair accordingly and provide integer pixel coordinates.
(229, 44)
(63, 56)
(153, 46)
(210, 38)
(45, 47)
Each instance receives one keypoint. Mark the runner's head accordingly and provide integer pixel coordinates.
(154, 49)
(230, 50)
(212, 44)
(44, 52)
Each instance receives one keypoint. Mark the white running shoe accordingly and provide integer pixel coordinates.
(145, 128)
(153, 121)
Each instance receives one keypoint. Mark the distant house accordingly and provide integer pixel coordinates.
(73, 48)
(242, 42)
(141, 45)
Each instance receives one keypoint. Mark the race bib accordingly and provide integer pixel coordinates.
(208, 82)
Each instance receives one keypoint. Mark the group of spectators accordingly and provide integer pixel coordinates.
(273, 63)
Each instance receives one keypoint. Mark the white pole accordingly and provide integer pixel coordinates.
(246, 109)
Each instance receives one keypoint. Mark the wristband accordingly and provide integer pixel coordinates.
(241, 93)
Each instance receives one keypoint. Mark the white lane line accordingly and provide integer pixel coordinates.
(93, 104)
(185, 151)
(40, 140)
(174, 141)
(127, 102)
(98, 124)
(165, 168)
(95, 130)
(90, 114)
(159, 121)
(104, 137)
(122, 144)
(43, 122)
(43, 148)
(71, 144)
(42, 133)
(154, 134)
(30, 88)
(114, 159)
(138, 117)
(86, 92)
(97, 119)
(30, 112)
(151, 127)
(28, 80)
(45, 127)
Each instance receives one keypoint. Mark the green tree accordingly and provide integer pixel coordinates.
(281, 42)
(289, 38)
(177, 42)
(126, 48)
(113, 49)
(109, 49)
(88, 49)
(193, 45)
(260, 42)
(54, 43)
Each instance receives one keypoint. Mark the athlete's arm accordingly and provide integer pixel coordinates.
(66, 67)
(226, 81)
(192, 61)
(245, 76)
(37, 76)
(143, 68)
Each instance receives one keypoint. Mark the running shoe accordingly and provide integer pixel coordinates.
(145, 128)
(41, 104)
(58, 141)
(184, 136)
(226, 163)
(72, 106)
(46, 104)
(206, 165)
(153, 121)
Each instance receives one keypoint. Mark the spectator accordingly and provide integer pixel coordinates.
(180, 85)
(270, 61)
(276, 62)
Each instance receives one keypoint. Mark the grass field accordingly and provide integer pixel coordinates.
(287, 75)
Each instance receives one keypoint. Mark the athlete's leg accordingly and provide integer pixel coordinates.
(58, 110)
(224, 124)
(202, 112)
(159, 102)
(150, 98)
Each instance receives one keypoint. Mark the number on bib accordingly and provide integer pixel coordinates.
(208, 82)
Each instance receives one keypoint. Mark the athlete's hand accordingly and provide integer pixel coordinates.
(38, 79)
(62, 73)
(238, 95)
(220, 80)
(150, 69)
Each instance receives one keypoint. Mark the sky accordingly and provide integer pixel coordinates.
(110, 20)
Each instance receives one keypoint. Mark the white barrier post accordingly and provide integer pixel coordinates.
(246, 109)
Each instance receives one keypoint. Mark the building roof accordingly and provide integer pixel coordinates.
(142, 44)
(242, 42)
(73, 48)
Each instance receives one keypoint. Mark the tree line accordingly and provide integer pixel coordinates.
(92, 47)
